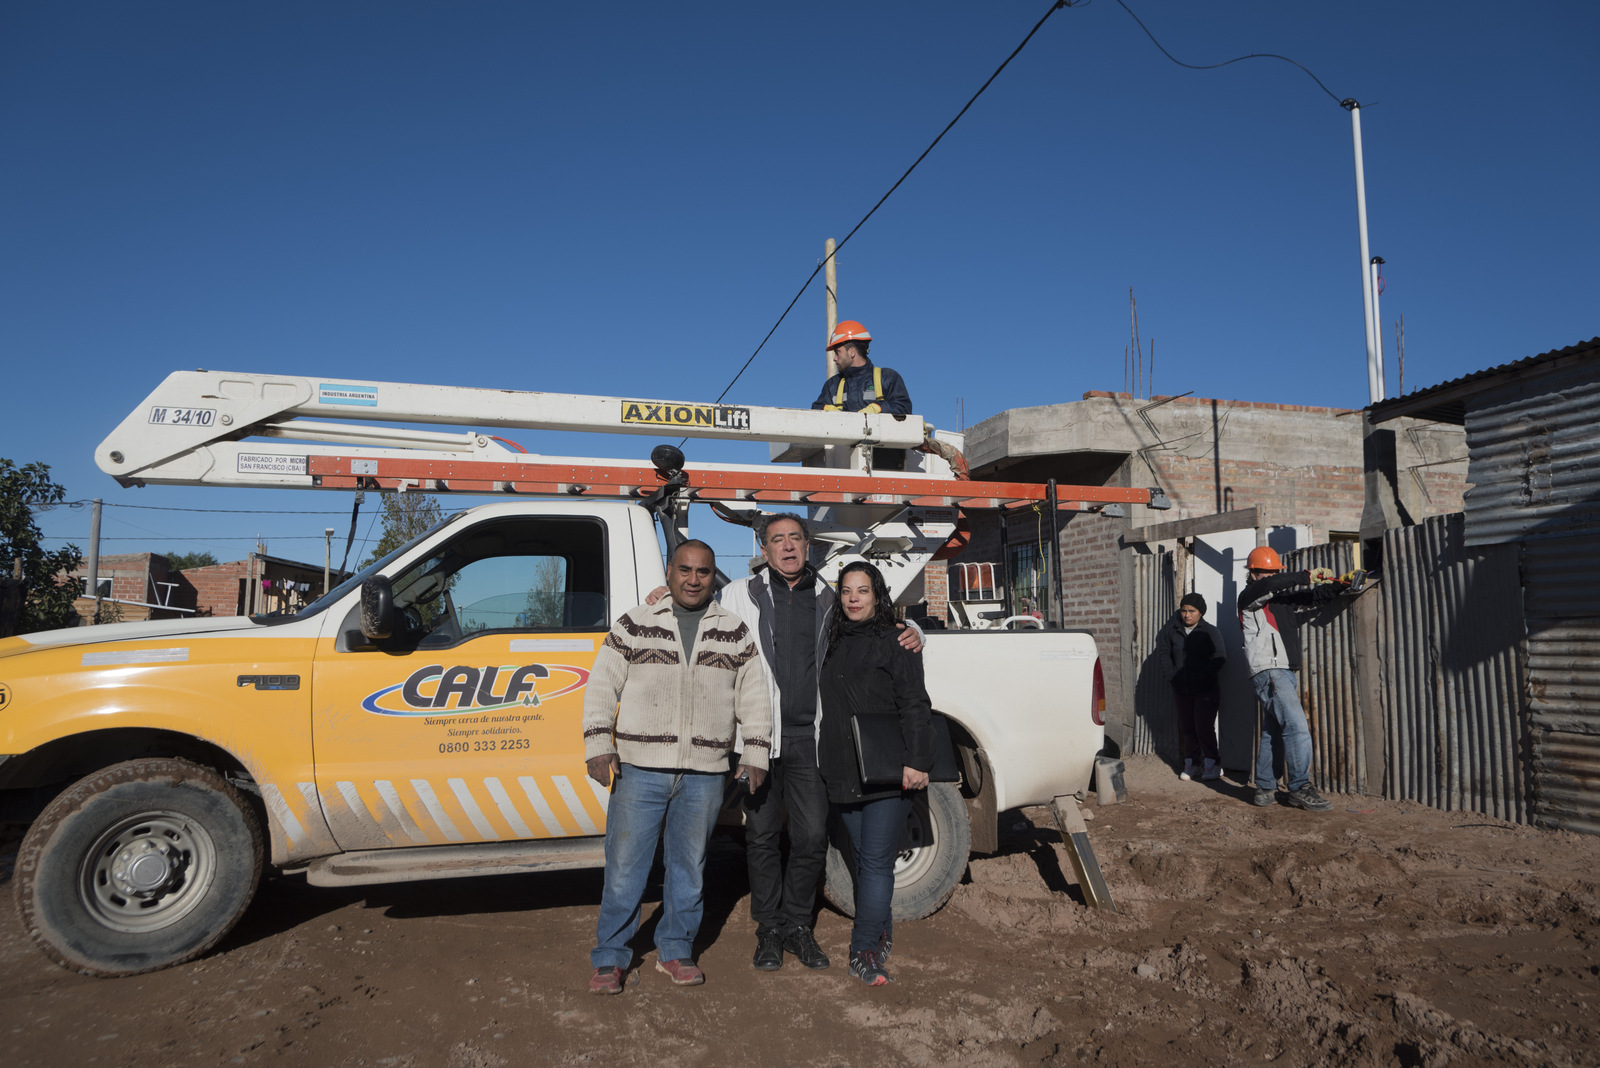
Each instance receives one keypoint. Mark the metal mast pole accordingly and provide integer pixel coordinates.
(1377, 321)
(1374, 365)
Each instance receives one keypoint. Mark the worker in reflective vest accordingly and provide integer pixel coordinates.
(861, 387)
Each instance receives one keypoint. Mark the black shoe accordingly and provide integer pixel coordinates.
(865, 965)
(1307, 798)
(885, 947)
(1264, 798)
(800, 941)
(769, 949)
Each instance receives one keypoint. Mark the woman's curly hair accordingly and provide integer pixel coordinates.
(883, 612)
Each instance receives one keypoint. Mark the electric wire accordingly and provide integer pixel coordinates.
(164, 508)
(1213, 66)
(1054, 7)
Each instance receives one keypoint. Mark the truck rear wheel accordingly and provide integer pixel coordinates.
(933, 857)
(139, 866)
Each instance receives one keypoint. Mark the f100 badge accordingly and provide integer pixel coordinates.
(437, 690)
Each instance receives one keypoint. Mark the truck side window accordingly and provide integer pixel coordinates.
(517, 574)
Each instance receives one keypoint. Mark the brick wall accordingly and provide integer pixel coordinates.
(217, 587)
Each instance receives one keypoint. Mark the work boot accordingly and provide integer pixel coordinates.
(1307, 798)
(1264, 798)
(800, 941)
(769, 949)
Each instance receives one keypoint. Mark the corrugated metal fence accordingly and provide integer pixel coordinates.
(1452, 651)
(1563, 590)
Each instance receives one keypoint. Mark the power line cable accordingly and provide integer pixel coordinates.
(161, 508)
(1224, 63)
(1057, 6)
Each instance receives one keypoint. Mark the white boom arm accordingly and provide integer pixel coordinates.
(192, 430)
(165, 439)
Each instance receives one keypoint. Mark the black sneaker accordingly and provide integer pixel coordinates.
(866, 966)
(1307, 798)
(800, 941)
(769, 949)
(885, 947)
(1264, 798)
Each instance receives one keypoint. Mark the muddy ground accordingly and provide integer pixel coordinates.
(1380, 933)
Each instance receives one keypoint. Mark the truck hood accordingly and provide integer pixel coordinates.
(116, 632)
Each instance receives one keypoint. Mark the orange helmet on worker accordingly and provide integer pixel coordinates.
(1263, 558)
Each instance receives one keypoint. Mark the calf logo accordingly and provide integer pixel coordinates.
(437, 690)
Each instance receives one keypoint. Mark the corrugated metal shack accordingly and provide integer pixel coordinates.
(1533, 440)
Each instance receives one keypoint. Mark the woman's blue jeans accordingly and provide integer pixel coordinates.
(678, 808)
(875, 829)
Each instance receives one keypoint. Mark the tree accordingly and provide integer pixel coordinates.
(184, 561)
(51, 589)
(405, 515)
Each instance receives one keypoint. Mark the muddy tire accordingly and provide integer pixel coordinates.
(139, 866)
(933, 857)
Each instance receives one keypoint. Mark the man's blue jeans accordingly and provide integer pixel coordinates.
(1283, 725)
(875, 829)
(678, 808)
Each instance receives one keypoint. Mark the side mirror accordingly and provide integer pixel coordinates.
(377, 608)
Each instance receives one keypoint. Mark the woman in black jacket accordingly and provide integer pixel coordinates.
(1192, 654)
(868, 673)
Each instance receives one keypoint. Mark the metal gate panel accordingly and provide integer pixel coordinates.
(1155, 725)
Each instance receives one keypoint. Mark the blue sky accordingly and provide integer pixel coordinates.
(622, 198)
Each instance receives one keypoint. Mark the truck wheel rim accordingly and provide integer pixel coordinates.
(918, 848)
(147, 872)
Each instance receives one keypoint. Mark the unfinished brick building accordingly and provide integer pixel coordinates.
(1293, 473)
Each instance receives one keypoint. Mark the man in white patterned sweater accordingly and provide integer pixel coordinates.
(672, 686)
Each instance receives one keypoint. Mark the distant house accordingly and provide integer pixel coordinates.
(141, 586)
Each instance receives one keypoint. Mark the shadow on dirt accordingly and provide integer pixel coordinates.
(285, 902)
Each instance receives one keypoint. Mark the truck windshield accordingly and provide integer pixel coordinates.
(359, 577)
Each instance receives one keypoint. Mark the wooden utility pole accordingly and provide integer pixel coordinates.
(94, 557)
(831, 288)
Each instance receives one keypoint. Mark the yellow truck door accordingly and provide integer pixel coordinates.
(466, 724)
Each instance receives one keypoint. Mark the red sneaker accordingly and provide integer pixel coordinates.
(681, 972)
(607, 980)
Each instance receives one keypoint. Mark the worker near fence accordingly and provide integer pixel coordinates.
(1272, 649)
(672, 686)
(1192, 653)
(861, 386)
(789, 609)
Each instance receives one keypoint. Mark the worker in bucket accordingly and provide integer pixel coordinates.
(860, 386)
(1272, 649)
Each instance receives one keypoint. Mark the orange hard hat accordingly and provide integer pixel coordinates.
(849, 330)
(1264, 558)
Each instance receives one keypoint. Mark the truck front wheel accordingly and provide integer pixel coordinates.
(932, 859)
(139, 866)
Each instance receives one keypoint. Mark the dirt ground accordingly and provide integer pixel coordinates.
(1379, 933)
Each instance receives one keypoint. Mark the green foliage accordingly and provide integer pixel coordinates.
(50, 592)
(184, 561)
(405, 515)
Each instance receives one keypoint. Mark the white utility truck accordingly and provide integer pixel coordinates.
(422, 719)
